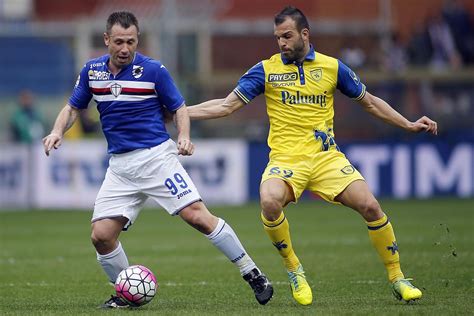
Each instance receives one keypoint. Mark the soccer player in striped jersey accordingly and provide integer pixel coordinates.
(131, 92)
(299, 85)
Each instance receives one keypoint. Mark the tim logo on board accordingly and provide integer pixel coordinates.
(421, 170)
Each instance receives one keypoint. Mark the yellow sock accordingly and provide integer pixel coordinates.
(382, 237)
(279, 233)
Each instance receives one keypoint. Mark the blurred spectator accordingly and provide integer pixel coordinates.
(445, 53)
(419, 49)
(86, 125)
(26, 122)
(353, 56)
(90, 122)
(394, 57)
(461, 25)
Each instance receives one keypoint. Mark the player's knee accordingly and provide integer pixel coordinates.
(370, 209)
(268, 204)
(103, 241)
(271, 207)
(199, 217)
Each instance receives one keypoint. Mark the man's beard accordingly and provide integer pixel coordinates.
(297, 53)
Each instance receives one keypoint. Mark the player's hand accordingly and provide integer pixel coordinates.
(185, 147)
(424, 124)
(51, 141)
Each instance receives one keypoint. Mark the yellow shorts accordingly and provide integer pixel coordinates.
(327, 173)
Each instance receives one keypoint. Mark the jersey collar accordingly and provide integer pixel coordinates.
(310, 56)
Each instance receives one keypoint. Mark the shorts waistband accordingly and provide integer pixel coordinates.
(140, 150)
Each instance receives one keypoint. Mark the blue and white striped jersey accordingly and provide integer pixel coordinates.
(131, 103)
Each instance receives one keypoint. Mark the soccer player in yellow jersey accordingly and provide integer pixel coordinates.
(299, 85)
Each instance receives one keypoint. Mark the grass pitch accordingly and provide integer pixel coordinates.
(48, 266)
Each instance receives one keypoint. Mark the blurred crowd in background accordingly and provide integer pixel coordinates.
(419, 56)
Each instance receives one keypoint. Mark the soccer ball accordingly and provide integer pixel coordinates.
(136, 285)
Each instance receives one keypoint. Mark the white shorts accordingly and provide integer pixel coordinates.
(134, 176)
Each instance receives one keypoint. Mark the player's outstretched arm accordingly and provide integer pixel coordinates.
(215, 108)
(185, 146)
(381, 109)
(66, 117)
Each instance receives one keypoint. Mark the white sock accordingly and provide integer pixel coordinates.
(114, 262)
(225, 239)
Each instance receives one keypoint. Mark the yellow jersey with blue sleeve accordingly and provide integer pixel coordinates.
(300, 99)
(300, 105)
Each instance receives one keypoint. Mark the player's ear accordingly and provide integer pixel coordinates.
(138, 38)
(305, 33)
(106, 39)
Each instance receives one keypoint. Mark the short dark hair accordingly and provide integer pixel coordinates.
(124, 18)
(295, 14)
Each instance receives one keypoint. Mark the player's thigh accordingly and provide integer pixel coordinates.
(118, 197)
(168, 184)
(293, 175)
(332, 173)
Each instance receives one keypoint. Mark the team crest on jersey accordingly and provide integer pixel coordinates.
(316, 74)
(348, 169)
(116, 89)
(137, 71)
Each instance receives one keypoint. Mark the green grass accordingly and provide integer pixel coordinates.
(48, 266)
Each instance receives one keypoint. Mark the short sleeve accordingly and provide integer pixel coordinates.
(166, 89)
(81, 95)
(251, 84)
(349, 83)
